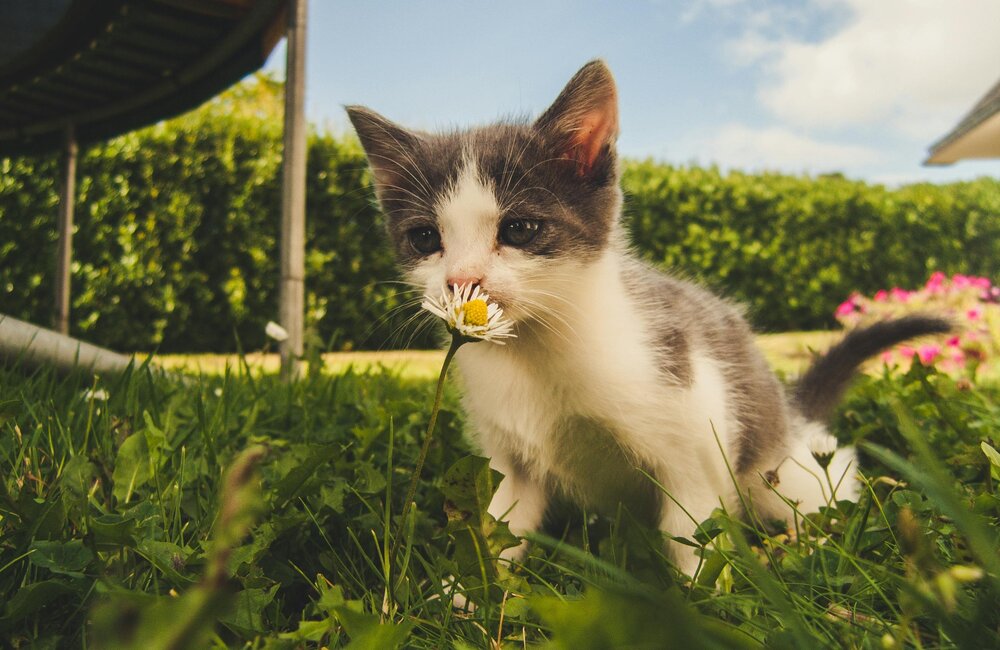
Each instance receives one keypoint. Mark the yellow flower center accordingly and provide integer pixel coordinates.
(475, 312)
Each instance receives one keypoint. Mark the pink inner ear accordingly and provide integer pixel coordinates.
(597, 128)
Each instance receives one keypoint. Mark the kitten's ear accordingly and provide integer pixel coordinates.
(584, 118)
(388, 146)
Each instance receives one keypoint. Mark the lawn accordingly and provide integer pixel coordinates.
(237, 511)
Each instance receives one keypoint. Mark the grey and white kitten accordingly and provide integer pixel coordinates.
(618, 371)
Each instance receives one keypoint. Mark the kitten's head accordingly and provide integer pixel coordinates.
(518, 208)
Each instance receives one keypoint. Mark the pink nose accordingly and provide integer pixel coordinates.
(463, 280)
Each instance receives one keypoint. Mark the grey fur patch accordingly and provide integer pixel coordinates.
(689, 318)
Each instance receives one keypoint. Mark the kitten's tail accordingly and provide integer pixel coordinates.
(820, 389)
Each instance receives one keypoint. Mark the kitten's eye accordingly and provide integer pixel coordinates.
(425, 240)
(518, 232)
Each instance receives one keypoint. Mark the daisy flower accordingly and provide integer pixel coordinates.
(275, 331)
(99, 395)
(822, 446)
(469, 314)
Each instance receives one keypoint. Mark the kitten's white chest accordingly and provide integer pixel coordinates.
(588, 408)
(543, 417)
(583, 420)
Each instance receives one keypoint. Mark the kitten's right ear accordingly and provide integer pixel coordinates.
(584, 118)
(388, 146)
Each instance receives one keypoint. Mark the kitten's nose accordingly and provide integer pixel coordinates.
(462, 281)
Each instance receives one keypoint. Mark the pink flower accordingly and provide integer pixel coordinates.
(847, 307)
(928, 353)
(887, 356)
(902, 295)
(881, 295)
(982, 283)
(975, 313)
(935, 282)
(954, 342)
(960, 281)
(907, 351)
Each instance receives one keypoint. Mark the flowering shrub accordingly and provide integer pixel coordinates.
(973, 304)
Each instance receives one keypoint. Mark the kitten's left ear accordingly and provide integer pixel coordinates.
(388, 146)
(584, 118)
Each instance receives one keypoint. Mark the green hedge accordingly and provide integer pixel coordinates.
(177, 230)
(177, 227)
(791, 248)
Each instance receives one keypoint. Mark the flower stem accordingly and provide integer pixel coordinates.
(833, 490)
(456, 341)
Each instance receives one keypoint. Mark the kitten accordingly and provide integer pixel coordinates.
(618, 371)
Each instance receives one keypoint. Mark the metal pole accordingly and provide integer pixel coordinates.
(291, 295)
(31, 346)
(64, 256)
(26, 346)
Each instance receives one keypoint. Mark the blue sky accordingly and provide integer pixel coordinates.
(861, 87)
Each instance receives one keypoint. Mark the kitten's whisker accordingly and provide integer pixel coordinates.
(539, 309)
(574, 309)
(395, 338)
(534, 318)
(412, 287)
(520, 156)
(420, 328)
(567, 319)
(399, 165)
(419, 199)
(537, 317)
(516, 185)
(409, 205)
(402, 294)
(386, 317)
(544, 189)
(507, 181)
(418, 203)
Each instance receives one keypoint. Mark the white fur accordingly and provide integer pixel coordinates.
(468, 217)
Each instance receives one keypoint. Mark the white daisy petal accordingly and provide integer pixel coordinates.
(96, 395)
(822, 446)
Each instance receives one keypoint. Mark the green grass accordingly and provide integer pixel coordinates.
(119, 527)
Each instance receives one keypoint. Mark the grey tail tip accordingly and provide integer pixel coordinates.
(820, 389)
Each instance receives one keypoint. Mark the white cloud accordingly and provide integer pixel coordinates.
(696, 7)
(913, 67)
(777, 148)
(751, 47)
